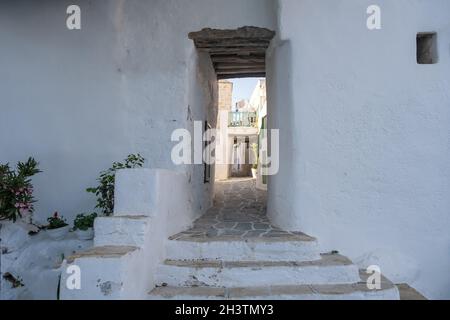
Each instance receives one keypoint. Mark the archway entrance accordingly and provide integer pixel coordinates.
(240, 193)
(235, 54)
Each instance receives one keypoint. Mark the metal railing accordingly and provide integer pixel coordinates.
(242, 119)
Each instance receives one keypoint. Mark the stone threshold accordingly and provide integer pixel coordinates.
(309, 292)
(409, 293)
(326, 260)
(103, 252)
(282, 237)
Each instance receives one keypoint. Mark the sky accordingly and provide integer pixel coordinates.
(243, 88)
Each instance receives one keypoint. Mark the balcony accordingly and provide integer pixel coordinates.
(242, 119)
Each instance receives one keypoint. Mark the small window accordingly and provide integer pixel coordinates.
(427, 48)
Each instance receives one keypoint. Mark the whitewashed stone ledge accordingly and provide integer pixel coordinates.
(35, 260)
(121, 231)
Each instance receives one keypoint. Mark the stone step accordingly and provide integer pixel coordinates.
(121, 231)
(354, 291)
(329, 269)
(254, 249)
(103, 272)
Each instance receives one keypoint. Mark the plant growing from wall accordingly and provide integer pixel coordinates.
(105, 190)
(84, 221)
(56, 222)
(16, 189)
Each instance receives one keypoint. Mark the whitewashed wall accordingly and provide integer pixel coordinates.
(364, 163)
(78, 100)
(365, 134)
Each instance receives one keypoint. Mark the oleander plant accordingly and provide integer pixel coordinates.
(16, 190)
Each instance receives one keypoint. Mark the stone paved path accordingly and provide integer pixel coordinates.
(239, 213)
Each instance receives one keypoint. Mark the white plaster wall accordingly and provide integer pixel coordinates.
(78, 100)
(365, 163)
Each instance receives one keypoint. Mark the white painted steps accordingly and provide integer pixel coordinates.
(104, 271)
(355, 291)
(243, 250)
(329, 269)
(260, 268)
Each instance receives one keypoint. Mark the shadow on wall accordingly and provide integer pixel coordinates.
(281, 186)
(202, 99)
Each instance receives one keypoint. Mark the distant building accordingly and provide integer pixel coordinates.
(226, 94)
(241, 128)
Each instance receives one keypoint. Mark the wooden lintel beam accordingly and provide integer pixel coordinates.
(237, 59)
(247, 65)
(232, 43)
(241, 75)
(242, 51)
(244, 32)
(240, 70)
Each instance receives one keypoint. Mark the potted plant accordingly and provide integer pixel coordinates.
(255, 171)
(84, 226)
(57, 227)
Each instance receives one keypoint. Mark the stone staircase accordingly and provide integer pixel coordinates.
(231, 252)
(283, 267)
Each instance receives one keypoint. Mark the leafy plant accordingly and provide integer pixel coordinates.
(105, 190)
(84, 221)
(16, 190)
(56, 222)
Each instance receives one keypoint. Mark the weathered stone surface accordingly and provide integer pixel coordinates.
(235, 53)
(351, 291)
(191, 293)
(409, 293)
(103, 252)
(277, 292)
(233, 252)
(330, 269)
(240, 215)
(34, 261)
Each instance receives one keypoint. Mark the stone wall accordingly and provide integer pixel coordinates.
(225, 95)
